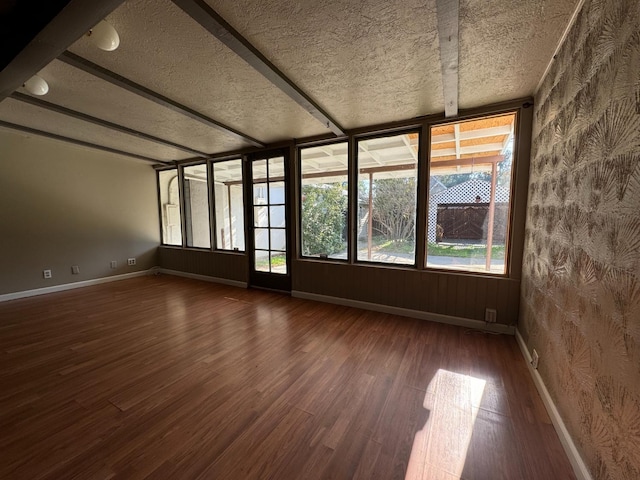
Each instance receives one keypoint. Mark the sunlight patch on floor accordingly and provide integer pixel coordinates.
(440, 448)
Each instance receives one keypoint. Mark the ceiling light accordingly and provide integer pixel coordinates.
(104, 36)
(36, 85)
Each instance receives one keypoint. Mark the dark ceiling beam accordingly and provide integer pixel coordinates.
(102, 123)
(42, 133)
(73, 21)
(448, 15)
(21, 21)
(122, 82)
(219, 28)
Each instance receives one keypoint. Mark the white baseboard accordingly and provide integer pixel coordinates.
(406, 312)
(206, 278)
(579, 467)
(70, 286)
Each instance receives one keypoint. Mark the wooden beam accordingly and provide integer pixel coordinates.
(473, 134)
(21, 21)
(73, 21)
(102, 123)
(392, 168)
(389, 168)
(472, 149)
(219, 28)
(456, 134)
(42, 133)
(374, 155)
(129, 85)
(462, 162)
(362, 171)
(506, 142)
(448, 23)
(405, 139)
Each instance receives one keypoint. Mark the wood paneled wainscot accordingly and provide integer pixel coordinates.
(464, 296)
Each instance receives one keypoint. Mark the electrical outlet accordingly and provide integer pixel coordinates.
(75, 270)
(490, 315)
(46, 273)
(131, 261)
(114, 264)
(535, 359)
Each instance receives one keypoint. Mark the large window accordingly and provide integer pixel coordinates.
(323, 200)
(229, 205)
(170, 207)
(470, 194)
(387, 193)
(196, 206)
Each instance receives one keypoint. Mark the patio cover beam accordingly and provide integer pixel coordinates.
(464, 162)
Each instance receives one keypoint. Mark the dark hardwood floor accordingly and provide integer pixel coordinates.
(165, 377)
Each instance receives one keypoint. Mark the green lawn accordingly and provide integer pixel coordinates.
(278, 261)
(389, 246)
(465, 251)
(451, 250)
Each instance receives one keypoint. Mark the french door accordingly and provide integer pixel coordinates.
(269, 248)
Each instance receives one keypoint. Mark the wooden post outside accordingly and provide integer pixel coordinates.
(492, 212)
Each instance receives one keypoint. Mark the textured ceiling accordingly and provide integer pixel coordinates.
(364, 63)
(80, 91)
(163, 49)
(20, 113)
(505, 47)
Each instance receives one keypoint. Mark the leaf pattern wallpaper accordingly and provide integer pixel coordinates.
(580, 303)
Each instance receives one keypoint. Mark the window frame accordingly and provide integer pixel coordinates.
(180, 207)
(183, 205)
(213, 205)
(513, 197)
(355, 171)
(298, 202)
(515, 228)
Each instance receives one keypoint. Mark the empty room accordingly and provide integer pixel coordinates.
(334, 239)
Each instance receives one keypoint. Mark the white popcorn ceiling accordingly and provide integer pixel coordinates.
(365, 63)
(164, 49)
(505, 47)
(375, 61)
(20, 113)
(83, 92)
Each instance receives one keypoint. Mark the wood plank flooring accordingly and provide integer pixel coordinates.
(164, 377)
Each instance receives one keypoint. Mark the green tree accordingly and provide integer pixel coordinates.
(324, 210)
(394, 208)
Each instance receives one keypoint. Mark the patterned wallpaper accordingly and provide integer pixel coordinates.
(581, 274)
